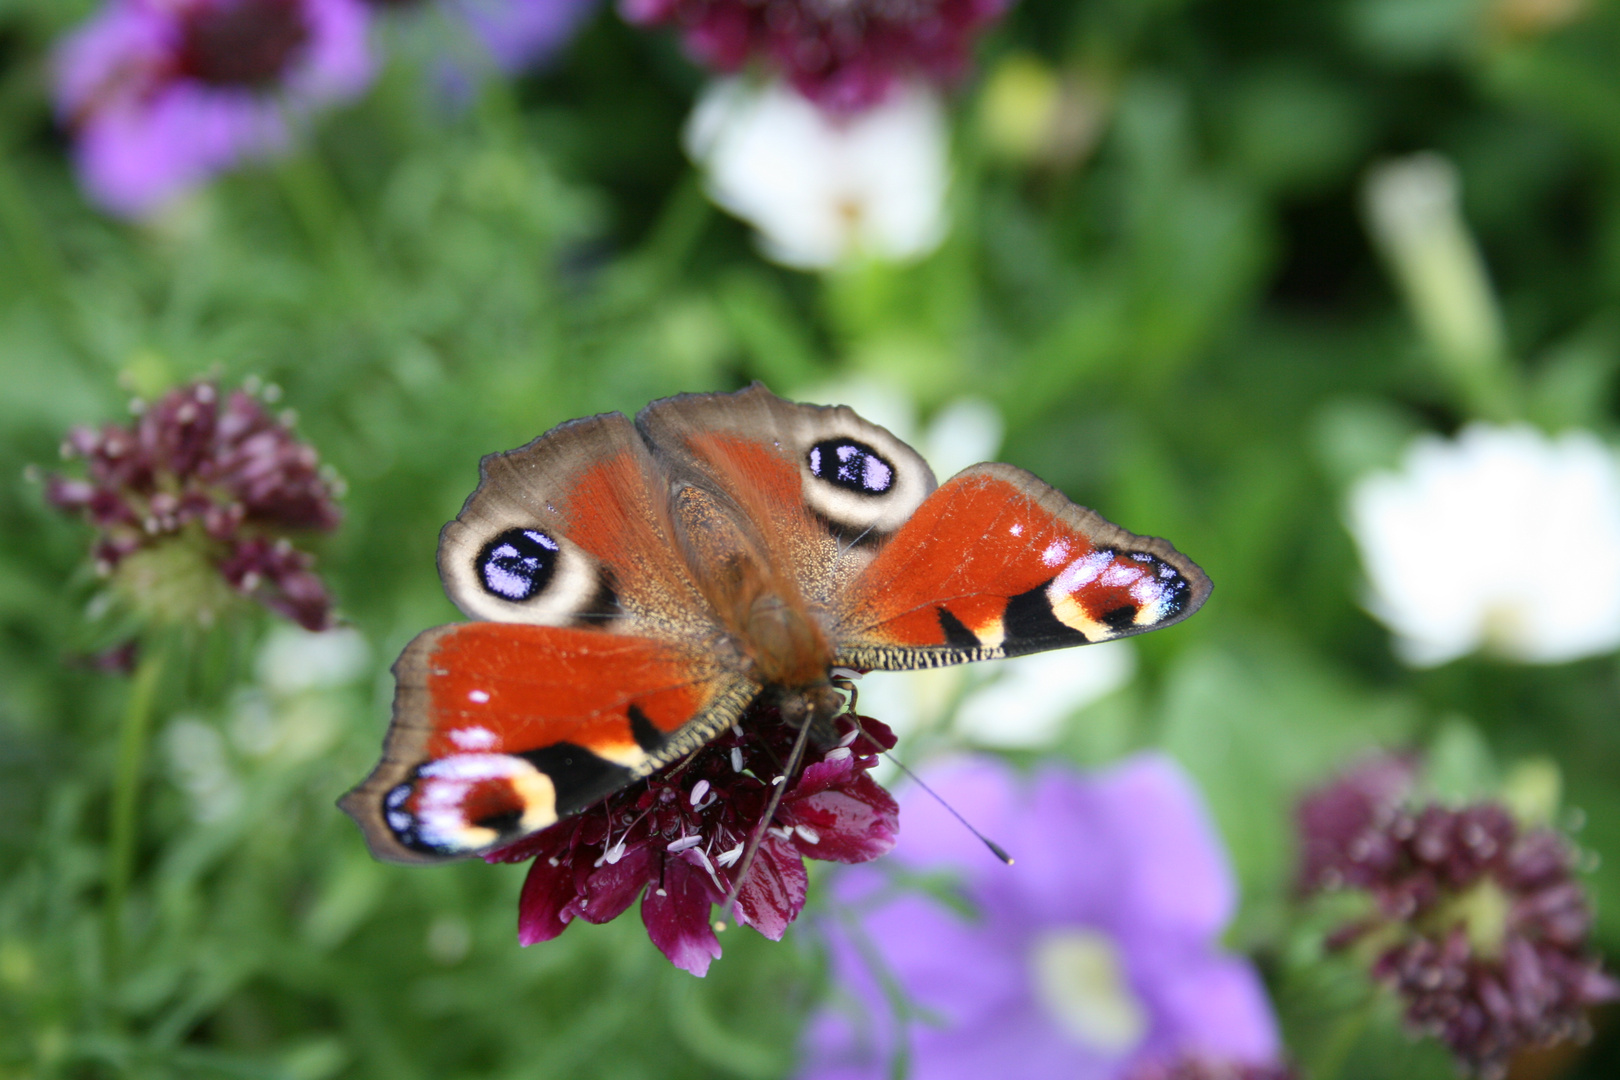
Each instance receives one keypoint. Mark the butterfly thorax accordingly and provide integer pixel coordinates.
(760, 608)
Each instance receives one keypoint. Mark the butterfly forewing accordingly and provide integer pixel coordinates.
(997, 563)
(573, 530)
(502, 728)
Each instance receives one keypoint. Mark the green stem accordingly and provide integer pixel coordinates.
(679, 227)
(132, 738)
(43, 267)
(328, 222)
(1335, 1054)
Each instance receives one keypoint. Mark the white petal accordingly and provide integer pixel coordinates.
(1503, 538)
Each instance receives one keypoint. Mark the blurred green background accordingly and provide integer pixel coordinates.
(1184, 324)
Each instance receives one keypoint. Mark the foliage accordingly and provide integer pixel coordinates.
(1187, 329)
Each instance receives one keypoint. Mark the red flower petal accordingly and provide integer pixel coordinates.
(543, 905)
(855, 823)
(613, 887)
(676, 915)
(773, 894)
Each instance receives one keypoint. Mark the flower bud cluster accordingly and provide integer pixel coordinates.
(221, 480)
(1479, 925)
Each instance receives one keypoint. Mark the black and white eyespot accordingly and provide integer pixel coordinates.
(859, 477)
(518, 564)
(851, 465)
(515, 571)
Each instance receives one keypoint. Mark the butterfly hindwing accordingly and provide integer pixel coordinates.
(996, 563)
(501, 728)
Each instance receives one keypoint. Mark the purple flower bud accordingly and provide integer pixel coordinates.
(222, 480)
(1488, 923)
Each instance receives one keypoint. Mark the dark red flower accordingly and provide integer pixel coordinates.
(1479, 925)
(196, 479)
(248, 43)
(842, 54)
(675, 840)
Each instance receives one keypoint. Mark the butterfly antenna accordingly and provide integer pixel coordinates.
(746, 863)
(995, 849)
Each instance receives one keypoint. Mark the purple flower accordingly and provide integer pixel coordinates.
(198, 494)
(676, 839)
(844, 56)
(1479, 925)
(522, 33)
(1192, 1067)
(1093, 955)
(162, 94)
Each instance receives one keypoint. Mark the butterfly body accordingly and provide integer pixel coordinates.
(636, 586)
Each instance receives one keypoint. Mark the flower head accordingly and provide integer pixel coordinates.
(191, 503)
(1094, 954)
(676, 840)
(1502, 538)
(822, 189)
(1479, 925)
(162, 94)
(845, 56)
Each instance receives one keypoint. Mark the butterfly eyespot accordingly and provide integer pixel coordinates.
(853, 466)
(468, 802)
(517, 564)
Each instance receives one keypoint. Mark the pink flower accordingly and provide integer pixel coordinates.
(844, 56)
(1479, 925)
(162, 94)
(214, 483)
(676, 839)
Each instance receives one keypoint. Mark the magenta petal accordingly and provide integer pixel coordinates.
(542, 906)
(677, 918)
(613, 887)
(773, 894)
(853, 824)
(822, 775)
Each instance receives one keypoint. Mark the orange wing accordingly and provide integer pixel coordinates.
(997, 563)
(501, 728)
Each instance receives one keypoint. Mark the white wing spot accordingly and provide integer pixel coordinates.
(1055, 552)
(1120, 574)
(1017, 529)
(478, 696)
(473, 738)
(1083, 571)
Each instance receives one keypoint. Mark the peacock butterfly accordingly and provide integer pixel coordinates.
(636, 586)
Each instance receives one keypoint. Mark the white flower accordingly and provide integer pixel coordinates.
(1503, 538)
(1021, 703)
(1028, 698)
(821, 188)
(294, 660)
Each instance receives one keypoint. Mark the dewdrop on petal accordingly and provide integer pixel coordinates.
(821, 188)
(1503, 538)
